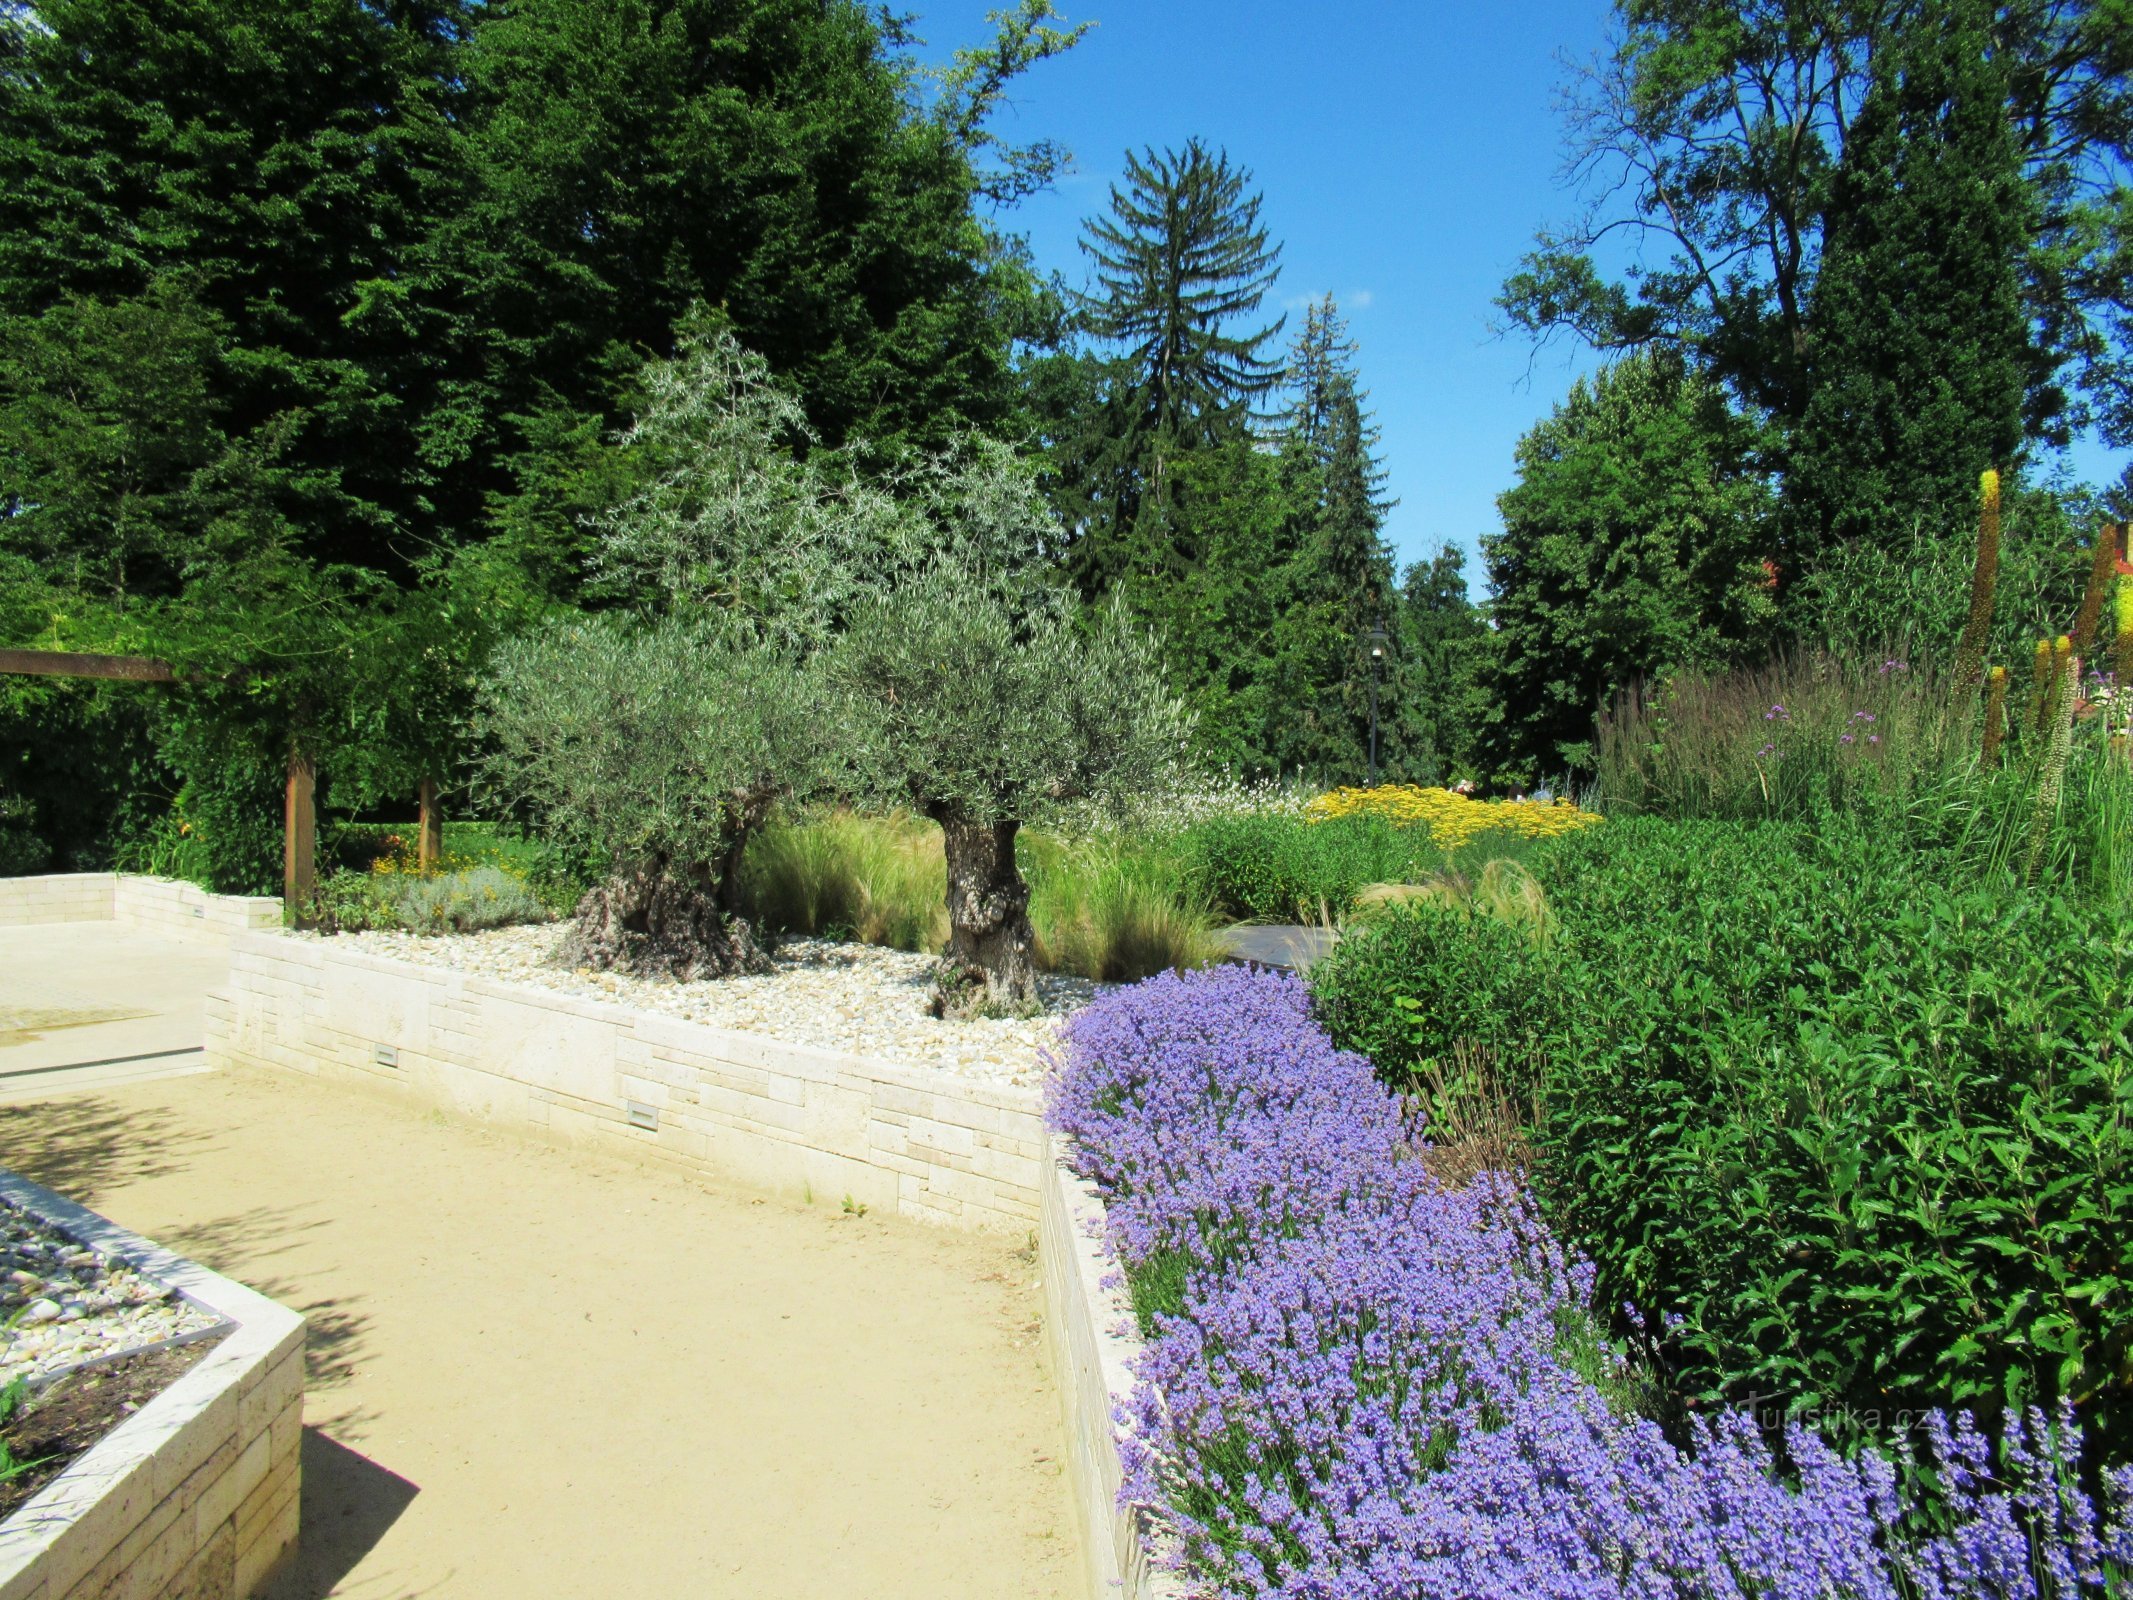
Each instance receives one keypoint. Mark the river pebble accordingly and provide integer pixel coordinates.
(62, 1303)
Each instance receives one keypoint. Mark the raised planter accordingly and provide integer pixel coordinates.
(161, 906)
(195, 1494)
(922, 1143)
(1089, 1328)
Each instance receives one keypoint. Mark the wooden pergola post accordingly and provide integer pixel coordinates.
(430, 849)
(299, 839)
(299, 849)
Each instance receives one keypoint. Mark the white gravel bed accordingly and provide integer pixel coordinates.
(857, 998)
(62, 1303)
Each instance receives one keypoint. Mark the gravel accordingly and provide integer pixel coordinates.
(857, 998)
(62, 1303)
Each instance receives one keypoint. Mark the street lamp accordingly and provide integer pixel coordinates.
(1377, 654)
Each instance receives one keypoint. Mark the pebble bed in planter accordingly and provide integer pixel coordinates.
(1360, 1383)
(63, 1304)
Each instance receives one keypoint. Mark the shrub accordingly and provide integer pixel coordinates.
(1271, 867)
(1360, 1382)
(1854, 1138)
(1454, 820)
(1410, 987)
(462, 900)
(466, 901)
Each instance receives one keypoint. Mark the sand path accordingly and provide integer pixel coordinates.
(540, 1373)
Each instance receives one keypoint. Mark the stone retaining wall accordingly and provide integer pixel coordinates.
(919, 1142)
(161, 906)
(196, 1493)
(185, 911)
(1088, 1326)
(72, 897)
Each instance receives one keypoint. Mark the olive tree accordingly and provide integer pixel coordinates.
(739, 508)
(662, 746)
(983, 713)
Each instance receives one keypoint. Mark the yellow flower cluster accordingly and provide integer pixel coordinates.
(1452, 819)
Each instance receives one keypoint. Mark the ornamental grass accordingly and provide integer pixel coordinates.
(1360, 1381)
(1454, 820)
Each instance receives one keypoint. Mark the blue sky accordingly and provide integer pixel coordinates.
(1407, 151)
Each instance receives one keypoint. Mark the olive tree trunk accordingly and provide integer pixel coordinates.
(661, 919)
(990, 966)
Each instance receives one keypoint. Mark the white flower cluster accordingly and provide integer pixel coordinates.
(1199, 797)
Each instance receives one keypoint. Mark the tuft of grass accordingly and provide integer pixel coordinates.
(1115, 908)
(880, 880)
(1504, 889)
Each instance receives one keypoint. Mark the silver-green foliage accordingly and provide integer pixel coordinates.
(743, 511)
(655, 743)
(739, 511)
(972, 706)
(466, 901)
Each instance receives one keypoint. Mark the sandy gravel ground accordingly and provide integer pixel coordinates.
(535, 1373)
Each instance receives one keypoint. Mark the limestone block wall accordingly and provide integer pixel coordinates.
(196, 1493)
(173, 910)
(161, 906)
(923, 1143)
(1088, 1327)
(67, 897)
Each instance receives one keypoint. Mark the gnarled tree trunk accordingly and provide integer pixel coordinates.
(990, 965)
(663, 920)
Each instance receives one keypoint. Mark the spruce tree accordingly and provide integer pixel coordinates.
(1321, 358)
(1340, 587)
(1920, 352)
(1182, 265)
(1180, 261)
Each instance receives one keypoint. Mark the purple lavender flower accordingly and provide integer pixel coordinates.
(1380, 1389)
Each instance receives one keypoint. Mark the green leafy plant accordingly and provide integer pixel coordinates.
(13, 1399)
(1852, 1141)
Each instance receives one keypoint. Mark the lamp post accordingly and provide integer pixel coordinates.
(1377, 654)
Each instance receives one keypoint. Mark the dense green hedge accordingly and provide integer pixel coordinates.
(1855, 1141)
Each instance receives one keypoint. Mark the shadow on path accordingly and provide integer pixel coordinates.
(245, 1247)
(84, 1146)
(348, 1503)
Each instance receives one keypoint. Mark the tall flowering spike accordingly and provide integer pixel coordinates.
(2103, 572)
(2040, 688)
(1984, 582)
(2122, 657)
(2058, 746)
(1995, 714)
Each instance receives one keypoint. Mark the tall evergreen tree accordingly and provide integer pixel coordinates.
(1633, 542)
(1322, 357)
(1431, 710)
(1340, 588)
(1920, 352)
(285, 159)
(1180, 261)
(1182, 265)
